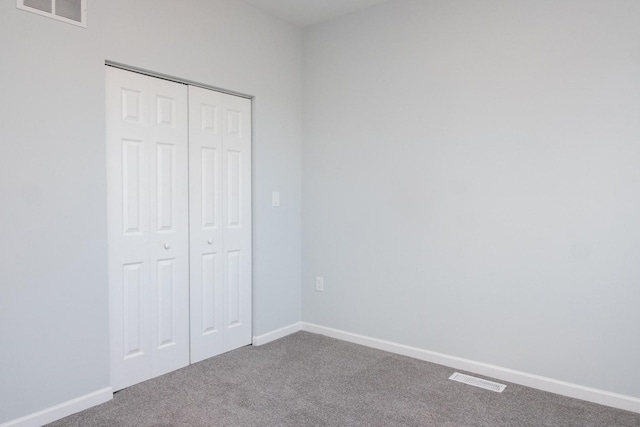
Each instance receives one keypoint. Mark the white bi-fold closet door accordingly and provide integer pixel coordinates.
(179, 224)
(220, 218)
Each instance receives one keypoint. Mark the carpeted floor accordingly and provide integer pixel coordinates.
(311, 380)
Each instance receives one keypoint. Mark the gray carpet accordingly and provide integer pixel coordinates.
(311, 380)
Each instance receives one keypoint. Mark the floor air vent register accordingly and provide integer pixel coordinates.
(478, 382)
(69, 11)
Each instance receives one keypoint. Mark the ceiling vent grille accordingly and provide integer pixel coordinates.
(69, 11)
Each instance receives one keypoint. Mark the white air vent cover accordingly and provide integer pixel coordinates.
(478, 382)
(70, 11)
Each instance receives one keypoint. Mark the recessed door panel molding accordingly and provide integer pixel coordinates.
(132, 318)
(166, 180)
(234, 188)
(210, 118)
(234, 122)
(132, 182)
(166, 111)
(132, 106)
(208, 296)
(210, 194)
(233, 288)
(166, 308)
(148, 243)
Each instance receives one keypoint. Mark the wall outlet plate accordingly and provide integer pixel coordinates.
(319, 284)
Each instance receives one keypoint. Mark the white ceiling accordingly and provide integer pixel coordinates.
(308, 12)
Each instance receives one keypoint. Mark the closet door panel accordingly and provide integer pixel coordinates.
(220, 213)
(236, 200)
(128, 227)
(205, 211)
(169, 248)
(148, 226)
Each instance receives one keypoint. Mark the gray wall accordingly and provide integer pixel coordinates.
(471, 182)
(53, 287)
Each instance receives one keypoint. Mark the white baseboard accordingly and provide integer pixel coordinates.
(601, 397)
(277, 334)
(62, 410)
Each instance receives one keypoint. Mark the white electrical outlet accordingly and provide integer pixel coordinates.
(319, 284)
(275, 198)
